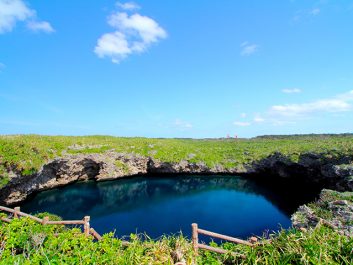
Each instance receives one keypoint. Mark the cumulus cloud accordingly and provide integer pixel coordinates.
(133, 34)
(13, 11)
(248, 48)
(241, 123)
(291, 90)
(38, 26)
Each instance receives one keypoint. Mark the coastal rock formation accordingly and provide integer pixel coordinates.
(72, 168)
(333, 209)
(334, 173)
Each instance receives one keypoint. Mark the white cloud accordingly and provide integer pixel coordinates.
(182, 125)
(243, 115)
(258, 119)
(291, 90)
(40, 26)
(128, 6)
(289, 114)
(336, 104)
(306, 14)
(241, 123)
(248, 48)
(113, 45)
(134, 34)
(314, 11)
(13, 11)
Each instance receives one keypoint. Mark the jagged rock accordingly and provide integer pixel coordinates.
(335, 173)
(72, 168)
(338, 208)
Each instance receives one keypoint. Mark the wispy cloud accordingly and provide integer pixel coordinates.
(182, 125)
(291, 90)
(306, 14)
(259, 119)
(248, 48)
(339, 103)
(133, 34)
(38, 26)
(13, 11)
(242, 123)
(128, 6)
(315, 11)
(285, 114)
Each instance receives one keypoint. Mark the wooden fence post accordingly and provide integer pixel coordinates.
(86, 226)
(17, 209)
(45, 220)
(195, 238)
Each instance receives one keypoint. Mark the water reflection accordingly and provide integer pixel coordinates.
(227, 204)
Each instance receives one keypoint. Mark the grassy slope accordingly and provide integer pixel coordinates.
(25, 242)
(25, 154)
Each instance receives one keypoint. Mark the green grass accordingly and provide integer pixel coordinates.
(122, 166)
(25, 154)
(24, 241)
(321, 206)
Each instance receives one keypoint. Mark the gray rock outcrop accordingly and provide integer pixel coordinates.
(335, 173)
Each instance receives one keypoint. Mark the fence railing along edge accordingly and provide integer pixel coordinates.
(87, 230)
(196, 245)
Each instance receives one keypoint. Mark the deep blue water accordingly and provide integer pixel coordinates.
(230, 205)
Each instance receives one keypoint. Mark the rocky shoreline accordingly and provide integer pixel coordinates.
(333, 209)
(333, 173)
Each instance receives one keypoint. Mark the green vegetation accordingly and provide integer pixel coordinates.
(24, 241)
(322, 208)
(122, 166)
(25, 154)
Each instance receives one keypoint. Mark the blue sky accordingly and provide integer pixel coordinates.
(176, 68)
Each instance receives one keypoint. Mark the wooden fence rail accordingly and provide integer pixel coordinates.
(196, 245)
(87, 230)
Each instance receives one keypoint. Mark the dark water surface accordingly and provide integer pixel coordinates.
(231, 205)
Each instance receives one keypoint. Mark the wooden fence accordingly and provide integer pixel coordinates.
(16, 213)
(87, 230)
(196, 245)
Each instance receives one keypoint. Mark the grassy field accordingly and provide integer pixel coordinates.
(24, 241)
(25, 154)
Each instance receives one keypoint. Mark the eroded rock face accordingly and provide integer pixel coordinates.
(334, 173)
(72, 168)
(333, 208)
(345, 171)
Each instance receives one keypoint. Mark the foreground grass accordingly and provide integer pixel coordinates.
(25, 242)
(25, 154)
